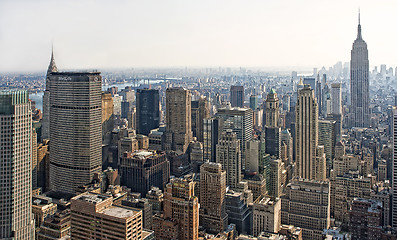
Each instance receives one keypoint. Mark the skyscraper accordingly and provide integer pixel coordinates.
(359, 82)
(147, 110)
(75, 129)
(200, 111)
(213, 215)
(45, 134)
(16, 221)
(237, 96)
(308, 166)
(253, 102)
(336, 98)
(272, 109)
(228, 154)
(178, 133)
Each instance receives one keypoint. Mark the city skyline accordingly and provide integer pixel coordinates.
(276, 35)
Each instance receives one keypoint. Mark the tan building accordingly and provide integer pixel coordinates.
(266, 215)
(181, 211)
(55, 227)
(42, 207)
(94, 216)
(308, 166)
(306, 204)
(200, 111)
(228, 154)
(178, 117)
(343, 190)
(277, 177)
(107, 117)
(43, 165)
(213, 215)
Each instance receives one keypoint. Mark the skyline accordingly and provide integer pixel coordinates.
(150, 34)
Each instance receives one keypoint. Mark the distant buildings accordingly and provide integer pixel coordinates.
(16, 221)
(75, 129)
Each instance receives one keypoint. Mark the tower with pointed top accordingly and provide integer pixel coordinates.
(359, 82)
(272, 109)
(45, 133)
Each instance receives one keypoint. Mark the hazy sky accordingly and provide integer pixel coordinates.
(201, 33)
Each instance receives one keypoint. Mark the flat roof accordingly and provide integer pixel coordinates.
(119, 212)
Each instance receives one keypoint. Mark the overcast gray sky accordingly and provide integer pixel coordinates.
(179, 33)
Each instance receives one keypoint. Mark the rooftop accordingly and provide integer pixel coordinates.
(119, 212)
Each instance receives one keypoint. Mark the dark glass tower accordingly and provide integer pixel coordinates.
(359, 85)
(147, 110)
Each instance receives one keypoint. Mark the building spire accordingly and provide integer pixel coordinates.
(359, 26)
(52, 67)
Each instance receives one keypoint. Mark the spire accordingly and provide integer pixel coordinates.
(359, 26)
(52, 67)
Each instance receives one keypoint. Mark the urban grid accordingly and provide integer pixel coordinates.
(200, 153)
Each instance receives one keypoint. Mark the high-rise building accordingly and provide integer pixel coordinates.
(238, 211)
(45, 133)
(200, 111)
(182, 207)
(336, 98)
(237, 96)
(94, 215)
(307, 204)
(212, 129)
(327, 138)
(312, 82)
(178, 133)
(272, 109)
(75, 129)
(266, 215)
(365, 220)
(147, 110)
(213, 215)
(143, 169)
(15, 166)
(228, 154)
(254, 102)
(239, 120)
(309, 165)
(359, 82)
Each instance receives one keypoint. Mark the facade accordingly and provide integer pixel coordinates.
(266, 216)
(212, 129)
(238, 211)
(327, 138)
(147, 110)
(359, 82)
(178, 133)
(200, 111)
(15, 166)
(42, 207)
(143, 169)
(182, 207)
(75, 129)
(228, 154)
(213, 215)
(276, 183)
(307, 204)
(94, 216)
(237, 96)
(307, 164)
(365, 219)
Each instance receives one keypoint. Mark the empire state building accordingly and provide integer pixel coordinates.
(359, 82)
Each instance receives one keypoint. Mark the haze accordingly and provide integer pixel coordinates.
(179, 33)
